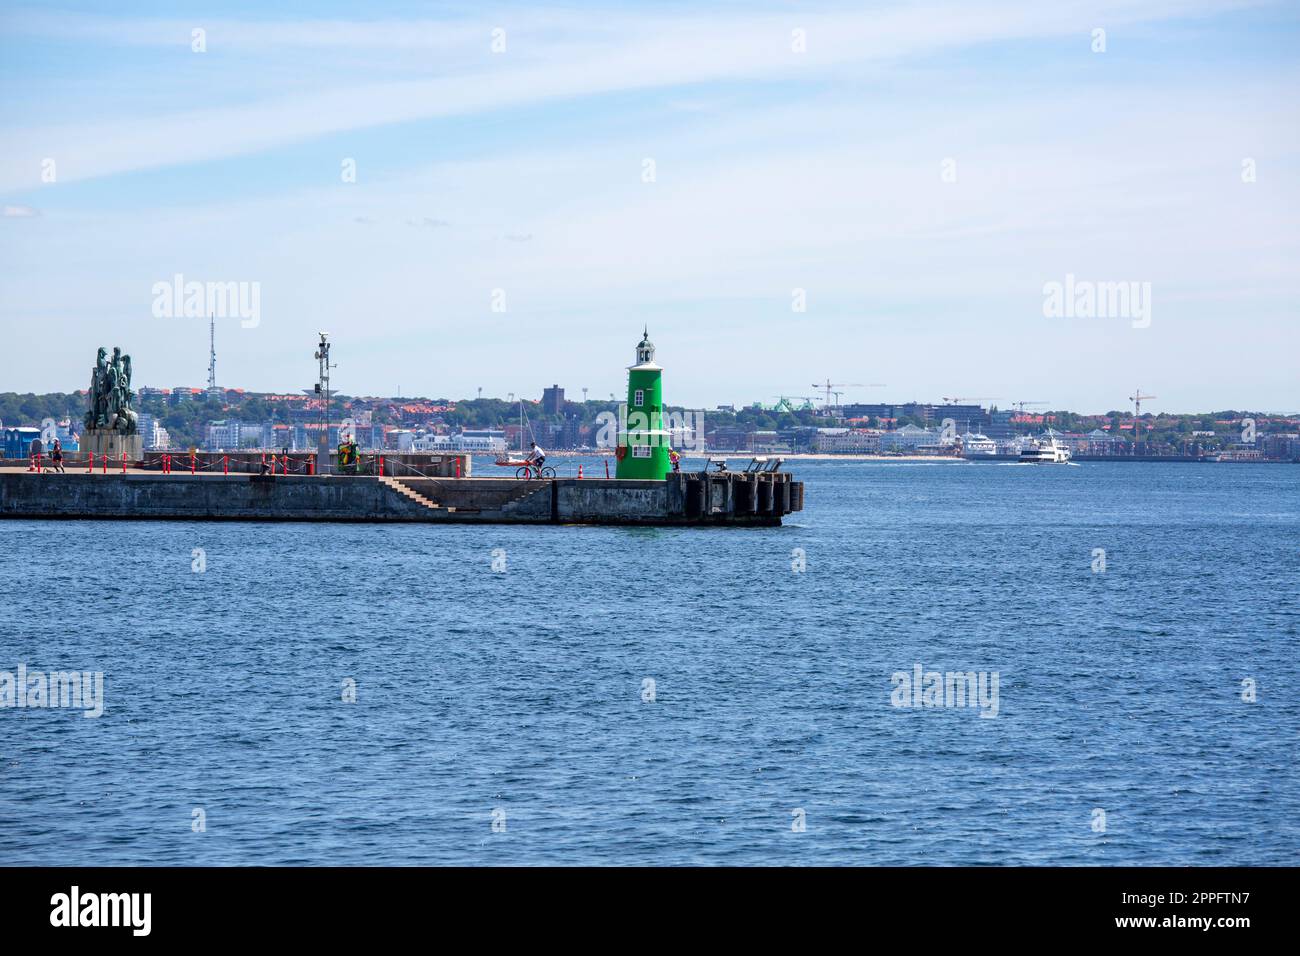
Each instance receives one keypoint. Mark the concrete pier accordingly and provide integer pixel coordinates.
(726, 498)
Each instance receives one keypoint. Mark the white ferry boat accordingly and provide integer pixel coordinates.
(976, 445)
(1045, 451)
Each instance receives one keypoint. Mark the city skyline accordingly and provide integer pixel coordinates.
(915, 178)
(570, 395)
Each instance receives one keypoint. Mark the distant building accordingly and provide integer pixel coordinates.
(965, 417)
(855, 441)
(571, 432)
(18, 440)
(553, 400)
(152, 434)
(1285, 447)
(222, 436)
(485, 441)
(763, 441)
(1098, 442)
(233, 435)
(399, 439)
(728, 438)
(909, 438)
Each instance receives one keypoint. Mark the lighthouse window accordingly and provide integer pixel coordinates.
(638, 397)
(640, 451)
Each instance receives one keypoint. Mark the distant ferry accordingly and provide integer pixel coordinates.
(977, 444)
(1046, 452)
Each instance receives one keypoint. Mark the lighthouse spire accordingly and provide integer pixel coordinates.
(645, 350)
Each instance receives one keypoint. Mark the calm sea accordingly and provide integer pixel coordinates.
(632, 696)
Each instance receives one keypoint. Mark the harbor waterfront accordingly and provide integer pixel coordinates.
(739, 498)
(648, 489)
(626, 695)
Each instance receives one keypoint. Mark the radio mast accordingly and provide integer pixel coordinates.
(212, 354)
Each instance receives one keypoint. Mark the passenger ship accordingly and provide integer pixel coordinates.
(1045, 451)
(977, 445)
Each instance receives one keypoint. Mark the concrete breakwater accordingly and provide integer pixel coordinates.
(727, 498)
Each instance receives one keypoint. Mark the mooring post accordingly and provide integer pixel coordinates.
(124, 463)
(381, 466)
(580, 472)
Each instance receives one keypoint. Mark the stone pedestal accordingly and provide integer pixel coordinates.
(324, 459)
(113, 444)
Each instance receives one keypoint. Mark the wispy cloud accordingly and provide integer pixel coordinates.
(547, 57)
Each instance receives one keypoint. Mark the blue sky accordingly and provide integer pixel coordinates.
(775, 170)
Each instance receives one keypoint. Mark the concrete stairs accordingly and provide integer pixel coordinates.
(526, 489)
(498, 498)
(410, 493)
(518, 499)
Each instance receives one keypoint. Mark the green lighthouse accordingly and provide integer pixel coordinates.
(643, 441)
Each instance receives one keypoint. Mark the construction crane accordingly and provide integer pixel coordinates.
(1137, 398)
(829, 387)
(969, 398)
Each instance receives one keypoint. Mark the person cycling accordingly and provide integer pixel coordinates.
(675, 459)
(536, 458)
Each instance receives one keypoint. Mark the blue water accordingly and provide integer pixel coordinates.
(519, 694)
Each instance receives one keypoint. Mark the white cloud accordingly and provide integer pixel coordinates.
(553, 57)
